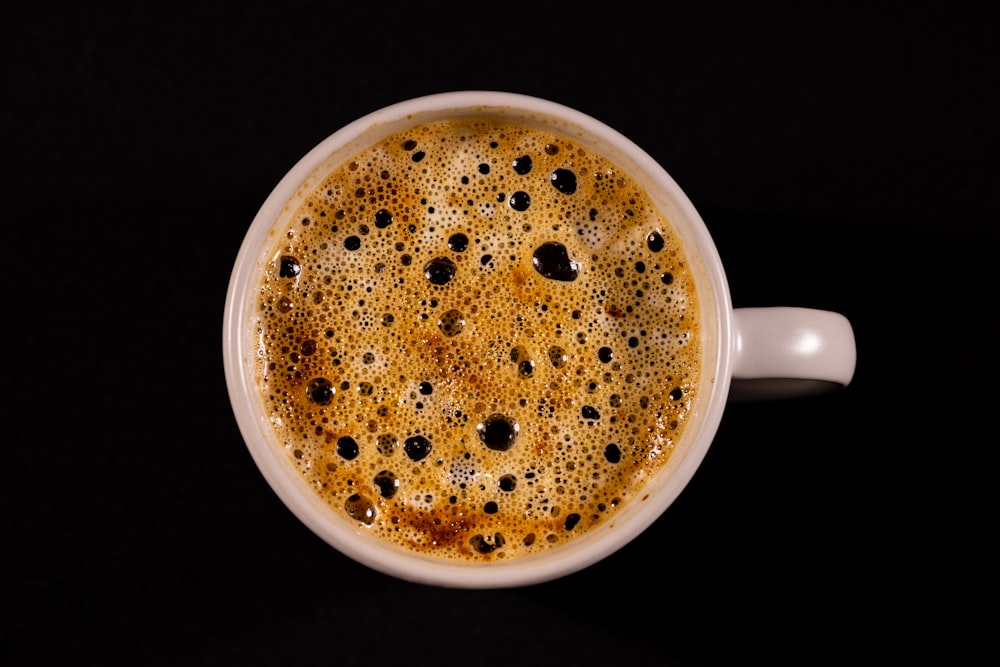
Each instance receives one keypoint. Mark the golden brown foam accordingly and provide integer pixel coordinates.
(471, 358)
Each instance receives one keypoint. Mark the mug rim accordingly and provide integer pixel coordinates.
(371, 551)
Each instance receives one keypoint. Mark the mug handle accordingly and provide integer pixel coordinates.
(784, 352)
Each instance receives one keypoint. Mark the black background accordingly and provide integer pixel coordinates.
(844, 160)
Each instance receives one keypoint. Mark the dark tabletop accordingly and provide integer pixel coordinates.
(844, 160)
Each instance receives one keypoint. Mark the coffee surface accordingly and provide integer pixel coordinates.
(477, 340)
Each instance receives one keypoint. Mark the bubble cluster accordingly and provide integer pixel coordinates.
(477, 339)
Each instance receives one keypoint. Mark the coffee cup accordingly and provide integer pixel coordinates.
(480, 339)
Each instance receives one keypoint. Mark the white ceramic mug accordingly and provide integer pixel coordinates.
(747, 353)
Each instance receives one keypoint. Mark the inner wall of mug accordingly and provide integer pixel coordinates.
(350, 538)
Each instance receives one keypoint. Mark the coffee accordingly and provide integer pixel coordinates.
(477, 339)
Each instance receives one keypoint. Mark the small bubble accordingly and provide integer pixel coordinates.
(440, 270)
(520, 201)
(360, 508)
(676, 394)
(290, 267)
(417, 447)
(485, 545)
(667, 278)
(385, 444)
(551, 259)
(564, 181)
(451, 323)
(347, 448)
(320, 391)
(522, 165)
(387, 483)
(498, 432)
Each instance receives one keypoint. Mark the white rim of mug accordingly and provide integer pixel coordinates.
(351, 539)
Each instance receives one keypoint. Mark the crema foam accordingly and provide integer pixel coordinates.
(477, 340)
